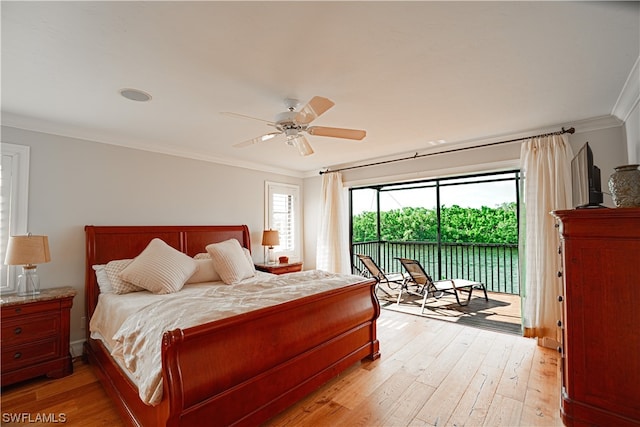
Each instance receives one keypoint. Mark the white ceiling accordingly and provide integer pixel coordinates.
(406, 72)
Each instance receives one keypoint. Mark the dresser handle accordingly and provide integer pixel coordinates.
(559, 273)
(560, 350)
(18, 355)
(17, 330)
(559, 298)
(560, 323)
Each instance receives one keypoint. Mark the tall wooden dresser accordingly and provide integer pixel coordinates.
(601, 317)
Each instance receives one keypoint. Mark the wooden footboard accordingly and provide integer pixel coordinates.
(247, 368)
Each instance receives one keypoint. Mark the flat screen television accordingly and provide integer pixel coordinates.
(585, 180)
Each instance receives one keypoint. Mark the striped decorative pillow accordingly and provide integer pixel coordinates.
(230, 261)
(159, 268)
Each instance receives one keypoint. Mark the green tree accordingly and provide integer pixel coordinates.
(458, 225)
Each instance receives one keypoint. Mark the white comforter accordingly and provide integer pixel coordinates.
(143, 318)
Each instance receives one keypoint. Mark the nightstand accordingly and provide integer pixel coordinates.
(279, 268)
(35, 335)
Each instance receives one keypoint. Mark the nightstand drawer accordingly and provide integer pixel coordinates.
(27, 354)
(26, 309)
(30, 328)
(289, 269)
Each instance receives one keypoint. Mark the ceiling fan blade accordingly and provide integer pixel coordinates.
(314, 108)
(256, 140)
(242, 116)
(301, 143)
(337, 132)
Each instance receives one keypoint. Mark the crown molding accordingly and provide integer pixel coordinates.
(581, 126)
(630, 94)
(35, 125)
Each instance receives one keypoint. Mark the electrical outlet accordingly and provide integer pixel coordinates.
(83, 322)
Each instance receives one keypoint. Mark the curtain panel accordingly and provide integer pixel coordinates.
(333, 235)
(546, 166)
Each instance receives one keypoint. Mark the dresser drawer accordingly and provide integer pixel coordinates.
(30, 328)
(14, 357)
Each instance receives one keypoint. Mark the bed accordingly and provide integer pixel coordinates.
(303, 342)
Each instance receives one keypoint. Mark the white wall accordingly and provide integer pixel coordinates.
(76, 182)
(609, 150)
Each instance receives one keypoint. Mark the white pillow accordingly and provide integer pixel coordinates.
(120, 286)
(103, 280)
(206, 255)
(230, 261)
(159, 268)
(205, 272)
(247, 253)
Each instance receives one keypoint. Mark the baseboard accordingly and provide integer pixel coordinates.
(75, 348)
(548, 343)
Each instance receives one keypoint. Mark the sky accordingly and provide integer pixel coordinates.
(488, 194)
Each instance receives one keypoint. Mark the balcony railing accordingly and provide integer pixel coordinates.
(495, 265)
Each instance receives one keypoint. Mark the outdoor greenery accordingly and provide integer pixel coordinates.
(459, 225)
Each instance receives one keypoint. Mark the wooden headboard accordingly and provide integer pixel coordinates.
(107, 243)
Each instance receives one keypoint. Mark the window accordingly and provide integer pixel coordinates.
(282, 213)
(14, 185)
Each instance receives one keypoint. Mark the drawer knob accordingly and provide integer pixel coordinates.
(18, 355)
(560, 323)
(17, 330)
(559, 273)
(18, 310)
(560, 350)
(559, 298)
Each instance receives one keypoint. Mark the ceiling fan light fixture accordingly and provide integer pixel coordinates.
(301, 143)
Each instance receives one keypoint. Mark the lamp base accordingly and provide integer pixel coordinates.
(28, 282)
(271, 259)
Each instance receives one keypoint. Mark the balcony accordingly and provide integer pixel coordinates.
(495, 265)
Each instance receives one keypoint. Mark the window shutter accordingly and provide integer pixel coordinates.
(282, 214)
(14, 188)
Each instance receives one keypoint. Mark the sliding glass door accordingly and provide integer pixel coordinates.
(462, 227)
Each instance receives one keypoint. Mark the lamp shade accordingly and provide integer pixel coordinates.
(27, 250)
(270, 238)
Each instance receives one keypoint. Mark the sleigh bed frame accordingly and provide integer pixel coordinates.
(277, 355)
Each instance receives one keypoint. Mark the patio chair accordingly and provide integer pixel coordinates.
(437, 288)
(393, 280)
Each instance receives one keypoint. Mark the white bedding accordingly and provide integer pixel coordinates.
(132, 324)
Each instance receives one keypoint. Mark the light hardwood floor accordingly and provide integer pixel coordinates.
(431, 373)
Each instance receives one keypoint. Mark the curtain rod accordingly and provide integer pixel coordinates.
(571, 130)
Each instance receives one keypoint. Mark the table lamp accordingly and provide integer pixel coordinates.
(28, 251)
(270, 238)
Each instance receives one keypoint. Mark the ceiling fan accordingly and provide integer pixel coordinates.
(292, 124)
